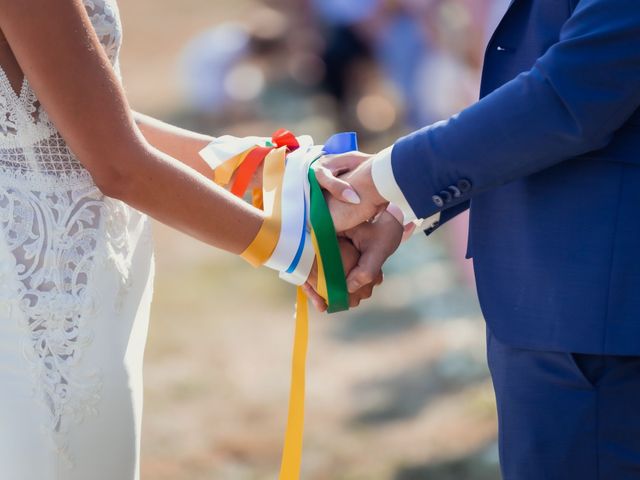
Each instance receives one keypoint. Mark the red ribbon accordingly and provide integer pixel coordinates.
(284, 138)
(246, 171)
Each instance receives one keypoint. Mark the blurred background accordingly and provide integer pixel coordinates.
(397, 389)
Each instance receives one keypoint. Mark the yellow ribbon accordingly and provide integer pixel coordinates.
(321, 288)
(257, 253)
(262, 246)
(222, 174)
(293, 439)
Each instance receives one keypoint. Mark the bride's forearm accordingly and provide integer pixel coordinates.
(167, 143)
(176, 195)
(179, 143)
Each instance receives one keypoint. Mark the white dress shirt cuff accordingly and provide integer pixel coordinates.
(385, 183)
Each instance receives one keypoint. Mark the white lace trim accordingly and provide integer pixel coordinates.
(31, 149)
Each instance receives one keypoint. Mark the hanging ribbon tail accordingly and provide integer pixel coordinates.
(239, 159)
(331, 286)
(341, 143)
(292, 451)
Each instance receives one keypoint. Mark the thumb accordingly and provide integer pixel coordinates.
(336, 187)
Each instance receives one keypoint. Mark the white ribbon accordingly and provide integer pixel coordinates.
(293, 207)
(301, 273)
(223, 148)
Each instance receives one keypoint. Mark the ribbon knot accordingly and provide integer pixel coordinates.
(255, 158)
(284, 138)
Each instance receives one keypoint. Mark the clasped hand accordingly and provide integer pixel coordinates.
(368, 233)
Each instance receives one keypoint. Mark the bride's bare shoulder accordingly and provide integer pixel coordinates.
(57, 48)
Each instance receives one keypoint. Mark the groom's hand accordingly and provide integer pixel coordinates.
(364, 250)
(350, 261)
(358, 212)
(355, 181)
(376, 241)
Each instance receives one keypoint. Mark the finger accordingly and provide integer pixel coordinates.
(366, 291)
(354, 300)
(316, 300)
(408, 231)
(335, 186)
(339, 164)
(363, 294)
(367, 270)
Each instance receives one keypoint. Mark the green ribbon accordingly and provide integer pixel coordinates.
(322, 223)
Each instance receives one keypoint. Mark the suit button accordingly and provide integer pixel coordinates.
(437, 199)
(446, 196)
(464, 185)
(455, 191)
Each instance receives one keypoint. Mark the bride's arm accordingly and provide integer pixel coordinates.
(181, 144)
(57, 48)
(185, 145)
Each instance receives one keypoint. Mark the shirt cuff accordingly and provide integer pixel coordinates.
(385, 182)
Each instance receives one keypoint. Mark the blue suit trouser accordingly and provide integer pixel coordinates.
(566, 416)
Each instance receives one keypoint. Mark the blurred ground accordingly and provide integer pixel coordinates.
(397, 390)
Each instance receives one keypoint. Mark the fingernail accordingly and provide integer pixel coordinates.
(351, 196)
(353, 286)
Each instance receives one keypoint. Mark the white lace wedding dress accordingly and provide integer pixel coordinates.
(76, 279)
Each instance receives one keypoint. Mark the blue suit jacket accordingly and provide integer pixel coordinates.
(549, 160)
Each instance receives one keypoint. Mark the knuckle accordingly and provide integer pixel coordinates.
(320, 171)
(364, 277)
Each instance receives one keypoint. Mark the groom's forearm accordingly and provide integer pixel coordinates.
(571, 102)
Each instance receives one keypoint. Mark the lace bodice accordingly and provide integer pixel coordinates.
(31, 150)
(58, 233)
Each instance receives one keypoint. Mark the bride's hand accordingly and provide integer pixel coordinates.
(330, 167)
(327, 169)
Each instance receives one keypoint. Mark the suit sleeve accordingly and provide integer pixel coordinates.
(571, 102)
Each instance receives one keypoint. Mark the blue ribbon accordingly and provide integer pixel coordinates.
(341, 143)
(296, 259)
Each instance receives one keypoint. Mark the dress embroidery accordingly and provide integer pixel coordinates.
(53, 237)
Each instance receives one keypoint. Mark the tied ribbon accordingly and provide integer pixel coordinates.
(333, 288)
(332, 285)
(261, 248)
(256, 156)
(234, 158)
